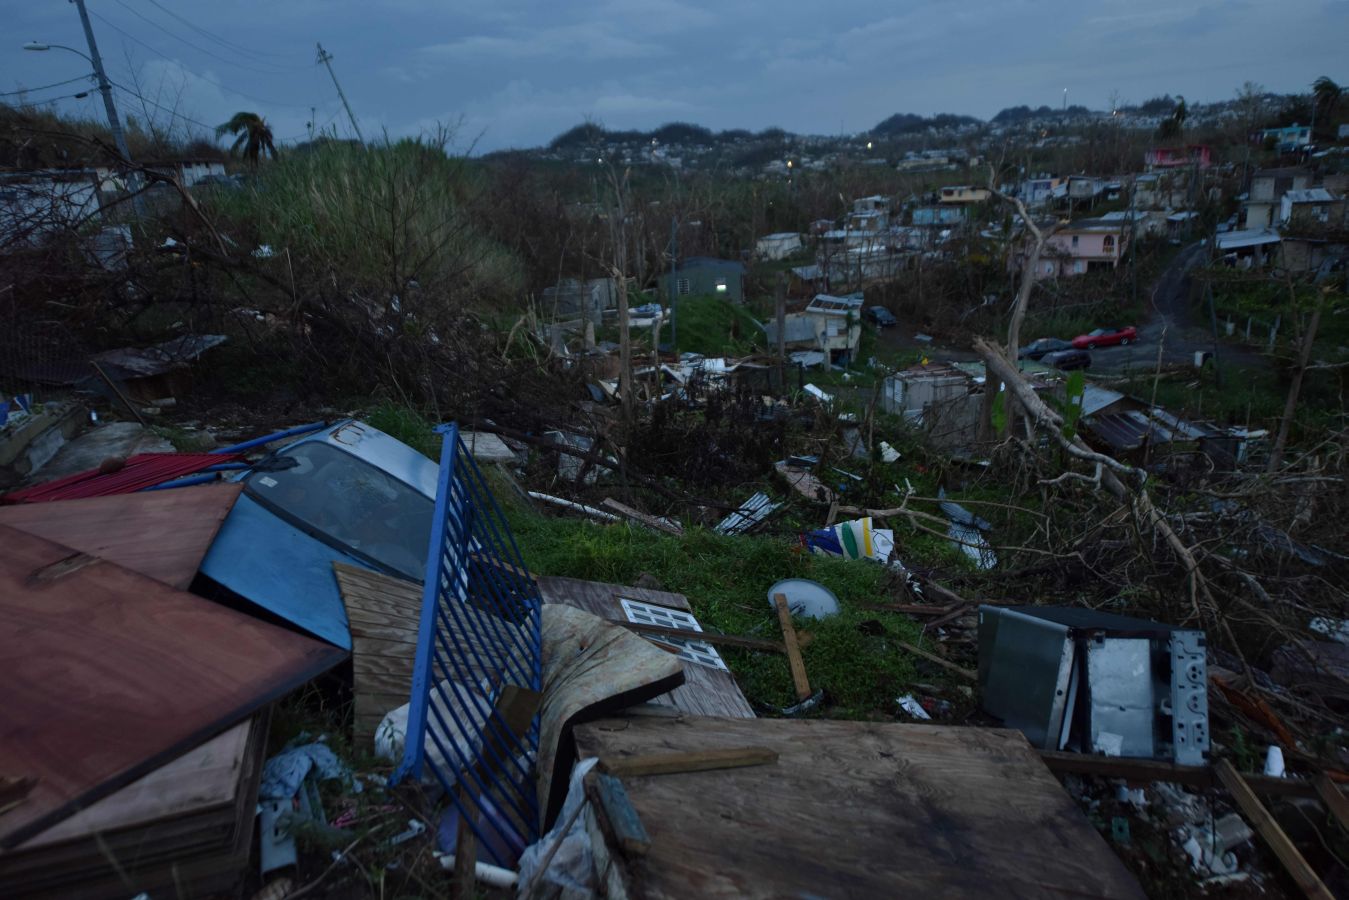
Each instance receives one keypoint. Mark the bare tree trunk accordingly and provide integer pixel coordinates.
(780, 310)
(1295, 388)
(992, 386)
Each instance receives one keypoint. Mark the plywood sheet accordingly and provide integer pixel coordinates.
(162, 534)
(705, 692)
(147, 835)
(110, 673)
(204, 778)
(384, 614)
(855, 809)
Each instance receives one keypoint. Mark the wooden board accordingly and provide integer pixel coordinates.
(384, 614)
(705, 692)
(162, 534)
(128, 852)
(600, 598)
(204, 778)
(591, 668)
(110, 673)
(854, 809)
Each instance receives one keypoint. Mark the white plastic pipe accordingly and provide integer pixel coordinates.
(487, 874)
(579, 507)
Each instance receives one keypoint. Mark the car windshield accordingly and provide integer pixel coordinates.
(350, 503)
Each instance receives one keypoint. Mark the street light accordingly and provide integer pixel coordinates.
(105, 88)
(40, 46)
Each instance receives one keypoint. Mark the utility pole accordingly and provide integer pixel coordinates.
(674, 285)
(105, 88)
(327, 59)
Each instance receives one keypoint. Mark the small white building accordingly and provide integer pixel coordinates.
(778, 246)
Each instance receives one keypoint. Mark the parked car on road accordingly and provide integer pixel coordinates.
(881, 316)
(1105, 337)
(1038, 348)
(1067, 360)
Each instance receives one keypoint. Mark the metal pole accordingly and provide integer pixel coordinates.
(326, 58)
(105, 88)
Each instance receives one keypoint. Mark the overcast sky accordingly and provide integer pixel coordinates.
(515, 73)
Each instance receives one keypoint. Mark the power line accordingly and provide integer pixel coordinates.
(44, 86)
(165, 56)
(274, 70)
(160, 106)
(229, 45)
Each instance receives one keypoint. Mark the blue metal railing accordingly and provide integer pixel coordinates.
(480, 631)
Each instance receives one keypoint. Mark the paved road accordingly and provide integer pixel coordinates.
(1172, 324)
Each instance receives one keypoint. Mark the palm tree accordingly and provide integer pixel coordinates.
(252, 133)
(1325, 97)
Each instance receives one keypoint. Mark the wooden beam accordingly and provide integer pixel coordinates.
(794, 660)
(641, 518)
(692, 761)
(1334, 800)
(1269, 829)
(711, 637)
(937, 660)
(624, 824)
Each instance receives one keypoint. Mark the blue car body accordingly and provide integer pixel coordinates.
(277, 546)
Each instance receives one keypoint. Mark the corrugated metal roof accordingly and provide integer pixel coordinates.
(140, 471)
(1310, 195)
(1250, 237)
(1095, 399)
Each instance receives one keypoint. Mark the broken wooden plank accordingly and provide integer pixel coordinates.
(1202, 777)
(611, 797)
(1293, 862)
(642, 518)
(794, 661)
(937, 660)
(689, 761)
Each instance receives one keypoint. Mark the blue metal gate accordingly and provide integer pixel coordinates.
(480, 631)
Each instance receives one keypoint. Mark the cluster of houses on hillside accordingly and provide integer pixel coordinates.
(1294, 218)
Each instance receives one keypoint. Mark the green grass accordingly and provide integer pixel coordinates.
(715, 327)
(726, 580)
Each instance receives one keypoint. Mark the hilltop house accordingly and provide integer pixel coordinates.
(1266, 195)
(1082, 246)
(1309, 208)
(1042, 190)
(964, 194)
(1200, 155)
(1289, 138)
(939, 215)
(829, 324)
(705, 276)
(778, 246)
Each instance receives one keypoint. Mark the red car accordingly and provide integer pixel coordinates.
(1105, 337)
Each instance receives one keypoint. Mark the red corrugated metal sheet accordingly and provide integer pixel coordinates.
(140, 471)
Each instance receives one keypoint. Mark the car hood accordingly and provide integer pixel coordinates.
(282, 569)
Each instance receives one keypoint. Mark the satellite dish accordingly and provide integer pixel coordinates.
(806, 598)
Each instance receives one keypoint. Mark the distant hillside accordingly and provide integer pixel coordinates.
(907, 123)
(1014, 114)
(589, 134)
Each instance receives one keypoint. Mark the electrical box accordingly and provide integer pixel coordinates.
(1077, 679)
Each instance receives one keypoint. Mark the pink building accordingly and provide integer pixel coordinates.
(1080, 247)
(1175, 157)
